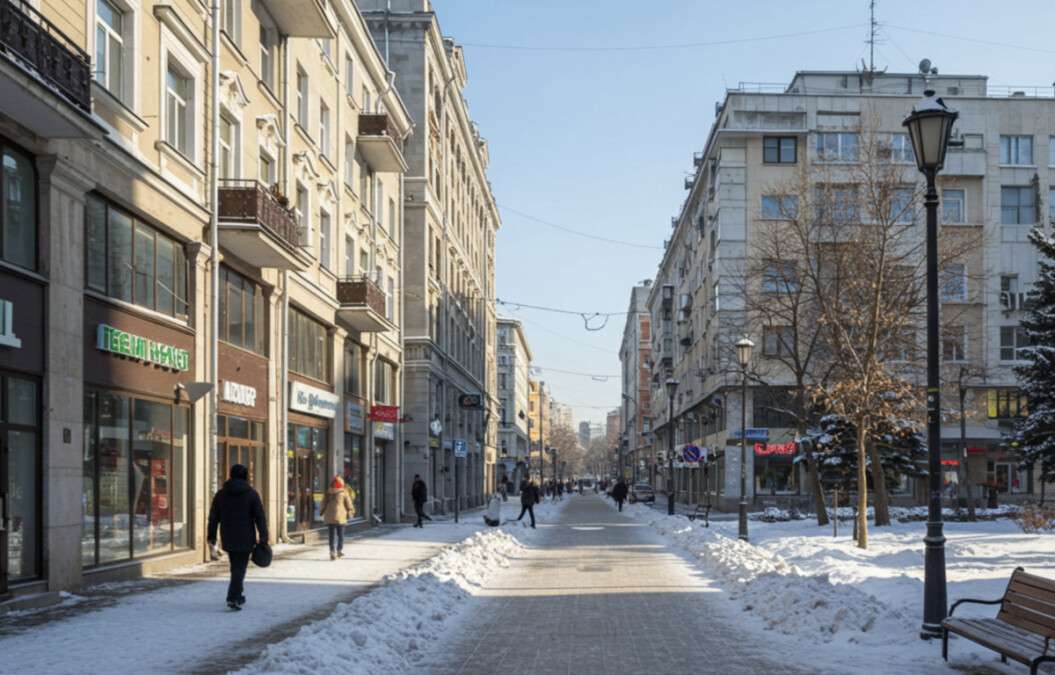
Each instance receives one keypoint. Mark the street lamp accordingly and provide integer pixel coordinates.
(672, 388)
(930, 126)
(743, 356)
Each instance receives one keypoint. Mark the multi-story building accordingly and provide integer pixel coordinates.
(635, 355)
(540, 423)
(108, 265)
(514, 367)
(584, 433)
(998, 184)
(450, 225)
(562, 416)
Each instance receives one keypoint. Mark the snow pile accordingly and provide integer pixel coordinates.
(776, 591)
(393, 627)
(902, 514)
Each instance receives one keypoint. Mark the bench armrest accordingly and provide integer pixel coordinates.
(975, 602)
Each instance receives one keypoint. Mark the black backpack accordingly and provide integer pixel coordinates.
(261, 555)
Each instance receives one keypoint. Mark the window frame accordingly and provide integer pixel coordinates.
(787, 207)
(251, 294)
(1012, 144)
(841, 156)
(1018, 334)
(1019, 190)
(303, 93)
(325, 239)
(179, 129)
(962, 201)
(947, 275)
(30, 159)
(958, 340)
(231, 23)
(301, 323)
(324, 128)
(111, 34)
(778, 334)
(780, 150)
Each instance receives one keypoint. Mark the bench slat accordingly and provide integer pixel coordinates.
(1045, 609)
(1009, 633)
(1024, 588)
(1034, 580)
(1025, 619)
(999, 637)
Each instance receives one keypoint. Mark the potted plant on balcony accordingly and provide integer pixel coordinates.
(282, 199)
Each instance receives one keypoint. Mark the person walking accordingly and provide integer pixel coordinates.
(419, 493)
(238, 512)
(337, 508)
(619, 493)
(529, 496)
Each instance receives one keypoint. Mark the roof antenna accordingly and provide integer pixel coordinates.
(872, 36)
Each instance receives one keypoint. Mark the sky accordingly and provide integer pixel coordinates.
(600, 140)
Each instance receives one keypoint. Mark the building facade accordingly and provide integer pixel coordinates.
(125, 408)
(540, 424)
(514, 367)
(450, 225)
(997, 185)
(635, 355)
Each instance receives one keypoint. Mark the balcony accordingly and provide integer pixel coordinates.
(378, 145)
(41, 64)
(299, 18)
(362, 305)
(258, 229)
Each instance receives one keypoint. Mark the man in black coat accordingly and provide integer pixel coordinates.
(419, 493)
(239, 513)
(619, 493)
(529, 496)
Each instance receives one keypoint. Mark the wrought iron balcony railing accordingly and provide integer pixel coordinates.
(248, 201)
(37, 43)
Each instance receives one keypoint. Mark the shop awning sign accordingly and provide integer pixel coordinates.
(353, 418)
(385, 431)
(312, 400)
(751, 434)
(385, 413)
(117, 341)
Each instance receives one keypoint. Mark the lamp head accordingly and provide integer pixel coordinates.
(672, 387)
(929, 128)
(743, 351)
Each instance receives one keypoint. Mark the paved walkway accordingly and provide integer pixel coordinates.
(601, 593)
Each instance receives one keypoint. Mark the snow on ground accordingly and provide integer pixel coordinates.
(865, 606)
(395, 626)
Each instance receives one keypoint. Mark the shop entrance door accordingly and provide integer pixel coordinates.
(379, 481)
(5, 515)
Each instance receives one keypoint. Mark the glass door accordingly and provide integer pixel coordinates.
(4, 515)
(305, 502)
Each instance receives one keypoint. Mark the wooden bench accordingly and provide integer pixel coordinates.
(1023, 628)
(702, 511)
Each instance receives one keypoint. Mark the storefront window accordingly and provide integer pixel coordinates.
(242, 442)
(309, 347)
(353, 471)
(18, 186)
(775, 471)
(131, 261)
(308, 460)
(19, 447)
(134, 477)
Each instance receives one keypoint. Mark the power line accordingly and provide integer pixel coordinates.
(539, 326)
(991, 43)
(579, 233)
(586, 317)
(595, 376)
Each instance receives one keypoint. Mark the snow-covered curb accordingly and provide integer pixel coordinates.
(901, 514)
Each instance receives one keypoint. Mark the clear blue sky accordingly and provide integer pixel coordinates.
(600, 141)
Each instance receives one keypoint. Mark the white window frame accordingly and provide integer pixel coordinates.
(949, 274)
(349, 73)
(324, 128)
(232, 20)
(266, 46)
(179, 111)
(963, 344)
(840, 152)
(302, 211)
(232, 146)
(901, 151)
(390, 299)
(349, 255)
(1013, 145)
(349, 163)
(787, 207)
(907, 215)
(945, 193)
(1015, 331)
(270, 179)
(325, 239)
(102, 75)
(179, 49)
(303, 95)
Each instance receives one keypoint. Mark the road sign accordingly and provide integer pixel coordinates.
(471, 402)
(461, 448)
(690, 453)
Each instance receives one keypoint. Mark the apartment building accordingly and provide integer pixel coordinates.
(540, 423)
(450, 226)
(122, 410)
(514, 368)
(635, 355)
(997, 184)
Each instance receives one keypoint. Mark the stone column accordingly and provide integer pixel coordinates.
(199, 483)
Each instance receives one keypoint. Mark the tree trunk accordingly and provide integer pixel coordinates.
(882, 502)
(862, 488)
(815, 485)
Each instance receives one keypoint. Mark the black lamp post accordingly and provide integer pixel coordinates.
(672, 388)
(743, 356)
(929, 127)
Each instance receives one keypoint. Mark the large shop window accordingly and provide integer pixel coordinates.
(308, 458)
(20, 450)
(353, 472)
(135, 477)
(18, 197)
(242, 442)
(131, 261)
(242, 315)
(309, 346)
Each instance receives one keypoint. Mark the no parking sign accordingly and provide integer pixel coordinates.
(690, 453)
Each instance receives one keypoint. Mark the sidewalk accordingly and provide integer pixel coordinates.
(179, 622)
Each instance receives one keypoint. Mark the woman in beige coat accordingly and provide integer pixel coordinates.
(337, 508)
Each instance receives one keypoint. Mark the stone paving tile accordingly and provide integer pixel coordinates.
(600, 593)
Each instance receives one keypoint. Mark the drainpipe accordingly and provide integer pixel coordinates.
(283, 441)
(214, 244)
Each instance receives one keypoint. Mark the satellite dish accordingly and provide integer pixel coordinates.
(924, 66)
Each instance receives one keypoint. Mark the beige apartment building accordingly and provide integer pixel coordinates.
(514, 372)
(635, 355)
(451, 434)
(106, 270)
(996, 185)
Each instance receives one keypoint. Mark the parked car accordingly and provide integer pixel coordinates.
(642, 492)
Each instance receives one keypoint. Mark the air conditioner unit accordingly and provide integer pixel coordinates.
(1012, 301)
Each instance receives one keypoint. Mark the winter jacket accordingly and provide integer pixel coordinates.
(337, 507)
(529, 495)
(619, 491)
(239, 513)
(419, 492)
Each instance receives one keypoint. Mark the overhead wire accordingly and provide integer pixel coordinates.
(963, 38)
(594, 376)
(579, 233)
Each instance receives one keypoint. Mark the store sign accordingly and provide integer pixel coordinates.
(7, 325)
(117, 341)
(353, 418)
(771, 449)
(240, 394)
(385, 431)
(752, 434)
(307, 399)
(385, 413)
(434, 442)
(461, 448)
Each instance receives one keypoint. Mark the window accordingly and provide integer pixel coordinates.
(1006, 404)
(327, 47)
(836, 205)
(349, 162)
(901, 149)
(364, 261)
(837, 147)
(20, 431)
(232, 20)
(778, 341)
(366, 179)
(302, 99)
(324, 240)
(953, 206)
(901, 206)
(366, 99)
(379, 207)
(392, 216)
(717, 297)
(1051, 204)
(954, 343)
(782, 207)
(1016, 150)
(324, 128)
(309, 349)
(384, 382)
(243, 321)
(773, 407)
(353, 356)
(267, 57)
(953, 281)
(1012, 340)
(230, 147)
(131, 261)
(390, 299)
(179, 120)
(779, 149)
(780, 276)
(109, 48)
(1017, 205)
(349, 73)
(18, 201)
(300, 210)
(267, 169)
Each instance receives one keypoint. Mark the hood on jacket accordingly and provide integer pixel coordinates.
(335, 490)
(236, 486)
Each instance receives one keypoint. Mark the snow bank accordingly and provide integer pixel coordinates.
(902, 514)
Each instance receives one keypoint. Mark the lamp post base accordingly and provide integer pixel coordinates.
(743, 520)
(670, 504)
(935, 597)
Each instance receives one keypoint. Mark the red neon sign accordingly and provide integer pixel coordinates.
(769, 449)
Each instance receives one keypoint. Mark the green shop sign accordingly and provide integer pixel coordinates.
(115, 340)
